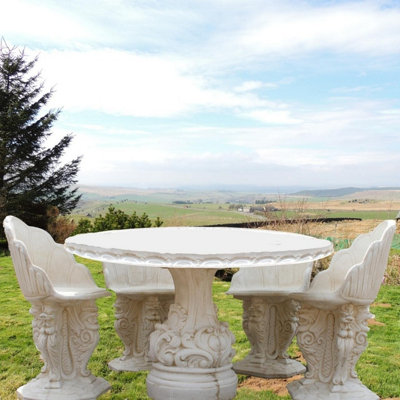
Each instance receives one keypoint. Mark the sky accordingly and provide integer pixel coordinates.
(220, 92)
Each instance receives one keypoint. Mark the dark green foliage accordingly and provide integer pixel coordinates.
(3, 247)
(31, 176)
(158, 222)
(115, 219)
(84, 226)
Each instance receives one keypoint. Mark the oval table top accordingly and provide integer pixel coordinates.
(198, 247)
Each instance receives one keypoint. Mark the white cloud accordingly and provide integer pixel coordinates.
(356, 27)
(356, 89)
(331, 145)
(328, 158)
(248, 31)
(109, 130)
(43, 22)
(248, 86)
(124, 83)
(394, 112)
(272, 116)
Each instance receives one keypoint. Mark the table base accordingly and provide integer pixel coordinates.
(69, 390)
(277, 368)
(164, 383)
(129, 364)
(351, 390)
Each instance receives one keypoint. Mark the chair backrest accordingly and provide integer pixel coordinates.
(274, 278)
(138, 279)
(364, 279)
(357, 272)
(28, 246)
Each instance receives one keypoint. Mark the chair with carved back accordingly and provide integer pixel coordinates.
(143, 297)
(270, 317)
(334, 315)
(63, 297)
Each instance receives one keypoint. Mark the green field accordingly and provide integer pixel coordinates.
(379, 366)
(175, 214)
(201, 214)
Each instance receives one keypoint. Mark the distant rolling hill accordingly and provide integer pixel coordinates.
(340, 192)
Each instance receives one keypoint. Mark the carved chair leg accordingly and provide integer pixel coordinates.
(270, 326)
(65, 335)
(331, 342)
(47, 328)
(135, 319)
(84, 335)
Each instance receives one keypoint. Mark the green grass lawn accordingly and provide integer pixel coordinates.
(379, 366)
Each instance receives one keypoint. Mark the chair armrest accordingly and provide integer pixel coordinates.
(322, 282)
(65, 271)
(322, 292)
(40, 284)
(82, 275)
(33, 280)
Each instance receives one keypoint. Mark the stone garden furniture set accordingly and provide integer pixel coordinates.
(180, 339)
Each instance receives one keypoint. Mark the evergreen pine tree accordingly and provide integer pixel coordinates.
(32, 177)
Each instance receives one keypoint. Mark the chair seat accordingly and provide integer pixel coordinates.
(325, 300)
(79, 293)
(261, 292)
(142, 290)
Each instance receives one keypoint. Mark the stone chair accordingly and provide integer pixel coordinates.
(270, 317)
(334, 315)
(143, 299)
(65, 329)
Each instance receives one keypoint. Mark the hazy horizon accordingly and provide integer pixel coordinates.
(239, 187)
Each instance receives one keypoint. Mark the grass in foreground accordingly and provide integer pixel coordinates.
(379, 366)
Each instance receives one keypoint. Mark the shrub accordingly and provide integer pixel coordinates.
(115, 219)
(59, 226)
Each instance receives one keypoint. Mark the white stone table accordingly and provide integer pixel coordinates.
(192, 350)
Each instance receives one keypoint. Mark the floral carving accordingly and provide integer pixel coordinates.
(269, 327)
(126, 319)
(332, 341)
(362, 315)
(136, 317)
(344, 343)
(84, 334)
(206, 347)
(66, 338)
(254, 325)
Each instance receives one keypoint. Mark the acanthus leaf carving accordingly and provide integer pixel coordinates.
(332, 341)
(205, 347)
(66, 338)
